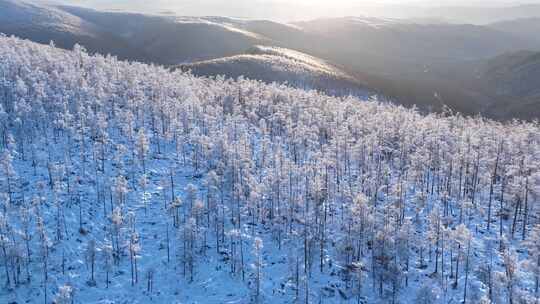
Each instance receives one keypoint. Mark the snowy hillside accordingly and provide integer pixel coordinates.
(274, 64)
(15, 13)
(129, 183)
(43, 23)
(308, 60)
(172, 40)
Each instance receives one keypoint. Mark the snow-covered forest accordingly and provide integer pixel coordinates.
(129, 183)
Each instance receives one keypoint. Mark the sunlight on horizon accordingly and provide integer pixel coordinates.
(283, 10)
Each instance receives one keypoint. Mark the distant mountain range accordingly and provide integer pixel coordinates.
(171, 40)
(478, 12)
(414, 62)
(483, 14)
(524, 28)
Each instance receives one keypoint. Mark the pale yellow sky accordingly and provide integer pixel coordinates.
(287, 10)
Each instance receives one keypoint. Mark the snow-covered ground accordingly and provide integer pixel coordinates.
(165, 182)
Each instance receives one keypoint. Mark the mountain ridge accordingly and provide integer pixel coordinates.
(432, 66)
(274, 64)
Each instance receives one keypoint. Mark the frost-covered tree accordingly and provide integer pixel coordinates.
(4, 246)
(8, 176)
(134, 250)
(150, 280)
(116, 224)
(64, 295)
(175, 211)
(108, 261)
(462, 239)
(143, 183)
(121, 189)
(511, 274)
(142, 147)
(91, 252)
(257, 266)
(532, 263)
(427, 294)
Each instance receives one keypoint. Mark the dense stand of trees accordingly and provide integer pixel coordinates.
(396, 204)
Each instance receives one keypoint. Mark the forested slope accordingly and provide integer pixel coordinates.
(125, 182)
(272, 64)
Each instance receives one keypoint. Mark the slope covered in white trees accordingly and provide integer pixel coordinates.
(273, 64)
(128, 183)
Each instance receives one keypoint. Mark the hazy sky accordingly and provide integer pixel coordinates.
(285, 9)
(203, 3)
